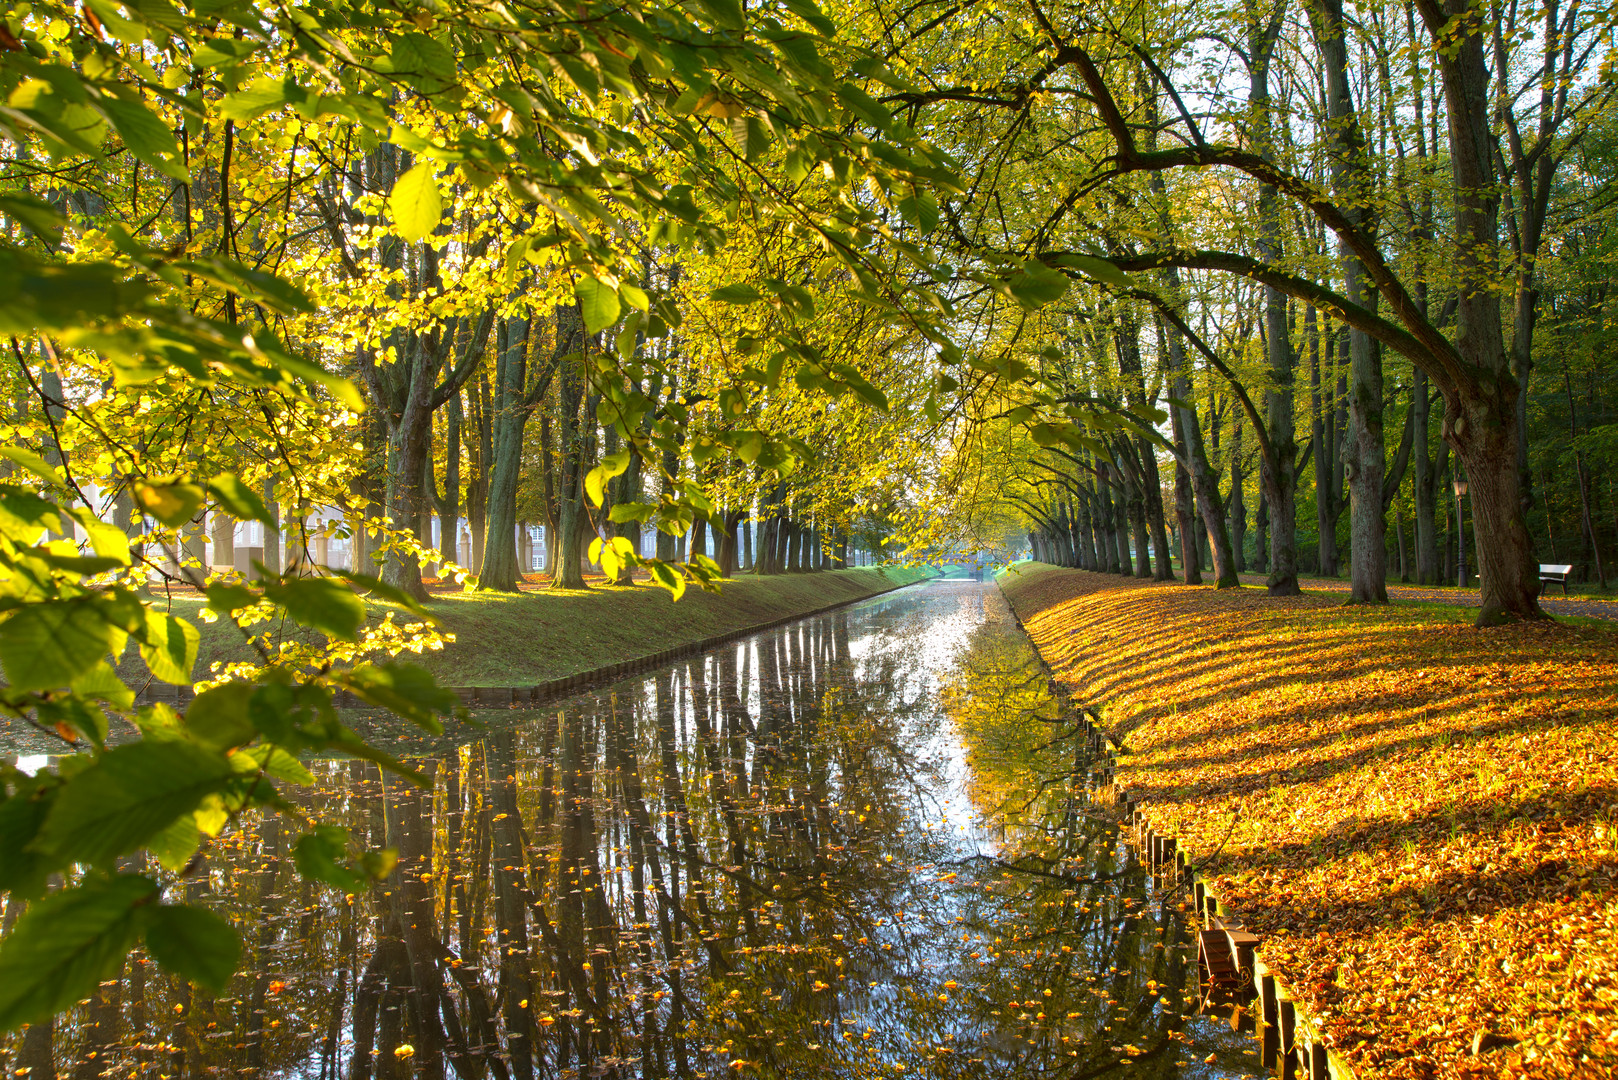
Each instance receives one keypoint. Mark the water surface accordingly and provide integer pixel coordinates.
(859, 845)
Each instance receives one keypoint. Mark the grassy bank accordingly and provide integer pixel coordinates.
(527, 638)
(1420, 818)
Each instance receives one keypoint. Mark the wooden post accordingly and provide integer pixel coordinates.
(1287, 1068)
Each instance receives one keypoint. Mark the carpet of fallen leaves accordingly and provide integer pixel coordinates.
(1420, 818)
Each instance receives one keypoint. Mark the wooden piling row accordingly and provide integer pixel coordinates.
(1290, 1042)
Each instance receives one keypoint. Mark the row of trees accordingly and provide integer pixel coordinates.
(260, 261)
(925, 271)
(1344, 256)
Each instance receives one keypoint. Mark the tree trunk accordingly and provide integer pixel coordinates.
(449, 504)
(1204, 483)
(1323, 430)
(513, 404)
(1480, 413)
(1238, 505)
(477, 493)
(272, 529)
(1426, 523)
(570, 494)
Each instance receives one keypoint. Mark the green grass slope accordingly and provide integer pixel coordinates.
(519, 640)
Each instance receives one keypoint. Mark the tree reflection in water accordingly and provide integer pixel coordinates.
(861, 845)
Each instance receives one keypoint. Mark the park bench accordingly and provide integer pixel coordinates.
(1555, 574)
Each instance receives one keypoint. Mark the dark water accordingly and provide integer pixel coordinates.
(861, 845)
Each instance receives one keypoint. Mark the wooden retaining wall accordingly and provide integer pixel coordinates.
(516, 697)
(1290, 1040)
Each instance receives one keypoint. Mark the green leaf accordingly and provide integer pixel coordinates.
(809, 13)
(257, 285)
(1037, 285)
(66, 944)
(169, 647)
(920, 210)
(25, 514)
(407, 689)
(171, 503)
(863, 389)
(23, 871)
(102, 683)
(380, 589)
(238, 500)
(415, 203)
(320, 603)
(175, 844)
(74, 714)
(749, 444)
(40, 218)
(215, 52)
(736, 293)
(597, 302)
(320, 855)
(275, 763)
(595, 482)
(378, 864)
(595, 485)
(128, 31)
(224, 599)
(668, 577)
(635, 297)
(631, 511)
(1099, 269)
(255, 100)
(193, 943)
(34, 464)
(131, 793)
(726, 14)
(147, 137)
(47, 645)
(611, 555)
(107, 541)
(218, 717)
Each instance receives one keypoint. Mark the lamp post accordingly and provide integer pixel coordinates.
(1460, 532)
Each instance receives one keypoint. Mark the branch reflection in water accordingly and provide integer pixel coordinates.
(861, 845)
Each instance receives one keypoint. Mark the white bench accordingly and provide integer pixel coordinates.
(1555, 574)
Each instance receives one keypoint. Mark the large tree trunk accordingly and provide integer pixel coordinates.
(1365, 456)
(1148, 482)
(1204, 482)
(1426, 538)
(449, 504)
(1238, 504)
(510, 419)
(1185, 512)
(1480, 412)
(1279, 478)
(477, 489)
(570, 494)
(518, 390)
(1323, 432)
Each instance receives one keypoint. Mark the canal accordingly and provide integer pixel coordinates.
(860, 845)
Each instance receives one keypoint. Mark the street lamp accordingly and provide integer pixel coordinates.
(1460, 531)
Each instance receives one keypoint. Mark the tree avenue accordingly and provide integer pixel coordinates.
(310, 307)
